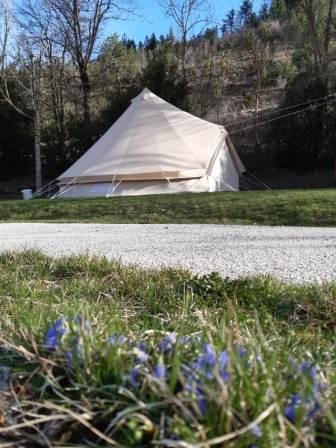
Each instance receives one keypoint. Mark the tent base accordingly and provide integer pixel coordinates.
(139, 188)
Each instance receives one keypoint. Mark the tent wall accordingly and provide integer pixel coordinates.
(224, 175)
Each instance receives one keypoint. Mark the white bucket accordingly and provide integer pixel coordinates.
(27, 194)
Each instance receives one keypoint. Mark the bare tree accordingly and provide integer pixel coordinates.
(191, 18)
(320, 17)
(35, 18)
(24, 68)
(80, 22)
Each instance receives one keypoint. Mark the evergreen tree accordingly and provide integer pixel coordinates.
(128, 43)
(245, 12)
(264, 12)
(211, 35)
(162, 77)
(151, 42)
(229, 24)
(278, 9)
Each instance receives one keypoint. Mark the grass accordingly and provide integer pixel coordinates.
(301, 208)
(161, 358)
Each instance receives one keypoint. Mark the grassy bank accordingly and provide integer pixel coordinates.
(308, 207)
(107, 355)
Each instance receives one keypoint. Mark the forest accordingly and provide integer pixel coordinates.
(267, 75)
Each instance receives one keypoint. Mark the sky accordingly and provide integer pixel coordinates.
(153, 19)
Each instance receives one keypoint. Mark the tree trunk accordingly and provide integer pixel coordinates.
(86, 89)
(184, 90)
(56, 86)
(62, 136)
(37, 145)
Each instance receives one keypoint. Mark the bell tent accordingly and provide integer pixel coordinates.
(155, 148)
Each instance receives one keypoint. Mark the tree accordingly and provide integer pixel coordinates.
(258, 42)
(191, 17)
(151, 42)
(34, 16)
(161, 75)
(319, 18)
(81, 22)
(245, 12)
(313, 131)
(116, 64)
(211, 35)
(229, 24)
(25, 69)
(306, 140)
(278, 9)
(129, 44)
(264, 12)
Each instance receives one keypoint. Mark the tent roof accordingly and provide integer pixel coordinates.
(151, 140)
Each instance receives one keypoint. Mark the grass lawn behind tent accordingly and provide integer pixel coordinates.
(108, 355)
(296, 207)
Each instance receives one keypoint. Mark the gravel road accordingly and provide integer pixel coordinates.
(295, 254)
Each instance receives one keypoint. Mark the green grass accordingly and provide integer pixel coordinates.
(308, 207)
(279, 341)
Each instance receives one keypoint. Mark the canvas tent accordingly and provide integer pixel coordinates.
(155, 148)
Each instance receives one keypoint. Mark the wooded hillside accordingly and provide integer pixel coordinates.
(62, 84)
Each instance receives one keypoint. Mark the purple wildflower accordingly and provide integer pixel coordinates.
(54, 334)
(134, 377)
(51, 339)
(192, 384)
(184, 340)
(60, 326)
(201, 400)
(223, 360)
(206, 362)
(305, 366)
(203, 405)
(166, 344)
(141, 357)
(256, 431)
(290, 411)
(313, 406)
(68, 359)
(116, 340)
(160, 371)
(142, 346)
(241, 351)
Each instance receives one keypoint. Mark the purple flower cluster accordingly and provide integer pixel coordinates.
(117, 340)
(307, 407)
(202, 370)
(159, 371)
(198, 372)
(54, 334)
(164, 349)
(208, 361)
(304, 405)
(73, 330)
(167, 344)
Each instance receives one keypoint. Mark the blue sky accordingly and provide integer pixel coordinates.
(154, 20)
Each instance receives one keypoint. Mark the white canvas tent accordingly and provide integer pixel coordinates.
(155, 148)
